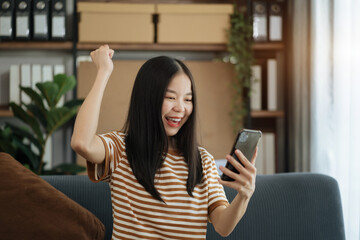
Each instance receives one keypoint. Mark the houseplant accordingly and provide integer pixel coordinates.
(40, 118)
(240, 54)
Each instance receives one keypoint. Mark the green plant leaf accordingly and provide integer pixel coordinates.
(40, 115)
(74, 103)
(65, 83)
(49, 91)
(7, 141)
(28, 119)
(240, 51)
(5, 132)
(58, 117)
(35, 97)
(24, 133)
(34, 160)
(8, 147)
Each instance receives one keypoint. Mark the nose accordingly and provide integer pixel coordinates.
(179, 106)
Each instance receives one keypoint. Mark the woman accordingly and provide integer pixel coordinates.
(163, 185)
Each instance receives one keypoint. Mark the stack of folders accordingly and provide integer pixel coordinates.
(32, 20)
(257, 87)
(265, 161)
(265, 12)
(28, 75)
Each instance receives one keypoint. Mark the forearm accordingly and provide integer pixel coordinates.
(227, 218)
(87, 119)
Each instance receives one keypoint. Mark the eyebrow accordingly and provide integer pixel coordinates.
(172, 91)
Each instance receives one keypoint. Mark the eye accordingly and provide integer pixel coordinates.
(170, 97)
(188, 100)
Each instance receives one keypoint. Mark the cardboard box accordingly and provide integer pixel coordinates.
(108, 22)
(193, 23)
(212, 78)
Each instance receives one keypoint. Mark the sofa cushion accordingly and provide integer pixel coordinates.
(33, 209)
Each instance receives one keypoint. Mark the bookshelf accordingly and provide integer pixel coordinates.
(267, 121)
(68, 46)
(270, 54)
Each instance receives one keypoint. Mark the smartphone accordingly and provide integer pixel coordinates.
(246, 141)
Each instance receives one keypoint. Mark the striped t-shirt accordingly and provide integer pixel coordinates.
(137, 215)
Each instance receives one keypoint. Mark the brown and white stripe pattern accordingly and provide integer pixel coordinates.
(137, 215)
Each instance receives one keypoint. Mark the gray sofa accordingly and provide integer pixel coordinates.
(284, 206)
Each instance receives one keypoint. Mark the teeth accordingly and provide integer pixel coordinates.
(175, 119)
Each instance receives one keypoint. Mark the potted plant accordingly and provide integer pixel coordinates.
(40, 118)
(240, 54)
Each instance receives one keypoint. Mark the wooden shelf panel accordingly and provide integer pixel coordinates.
(267, 114)
(36, 45)
(132, 46)
(271, 46)
(176, 47)
(162, 1)
(156, 47)
(5, 112)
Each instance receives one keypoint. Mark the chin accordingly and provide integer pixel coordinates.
(171, 133)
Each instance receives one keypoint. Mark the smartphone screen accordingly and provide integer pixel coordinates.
(246, 141)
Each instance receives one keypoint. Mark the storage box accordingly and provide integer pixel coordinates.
(116, 22)
(193, 23)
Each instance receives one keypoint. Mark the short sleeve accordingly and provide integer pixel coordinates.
(114, 143)
(216, 193)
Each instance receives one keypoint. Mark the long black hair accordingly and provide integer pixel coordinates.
(146, 140)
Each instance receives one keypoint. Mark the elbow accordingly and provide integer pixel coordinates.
(78, 146)
(223, 233)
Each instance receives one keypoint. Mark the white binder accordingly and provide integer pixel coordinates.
(25, 80)
(14, 89)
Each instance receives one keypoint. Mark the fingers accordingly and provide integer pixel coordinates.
(244, 181)
(101, 52)
(245, 171)
(246, 163)
(228, 183)
(244, 186)
(240, 168)
(111, 53)
(104, 47)
(237, 177)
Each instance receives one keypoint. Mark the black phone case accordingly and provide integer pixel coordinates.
(246, 141)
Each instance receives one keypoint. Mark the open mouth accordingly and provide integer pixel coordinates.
(173, 121)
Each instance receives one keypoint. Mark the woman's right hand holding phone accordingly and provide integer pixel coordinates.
(224, 219)
(244, 181)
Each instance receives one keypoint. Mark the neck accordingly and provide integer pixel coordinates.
(171, 143)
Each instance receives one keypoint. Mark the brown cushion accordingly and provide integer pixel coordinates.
(33, 209)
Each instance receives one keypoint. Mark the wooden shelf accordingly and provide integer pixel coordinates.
(268, 46)
(156, 47)
(36, 45)
(267, 114)
(132, 46)
(5, 112)
(176, 47)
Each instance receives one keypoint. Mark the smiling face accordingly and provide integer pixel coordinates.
(177, 105)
